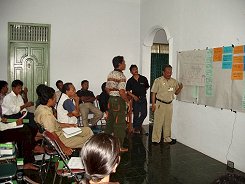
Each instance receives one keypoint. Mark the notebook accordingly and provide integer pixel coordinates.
(71, 131)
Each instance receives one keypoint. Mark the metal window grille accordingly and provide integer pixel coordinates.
(29, 32)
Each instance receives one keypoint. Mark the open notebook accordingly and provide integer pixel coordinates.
(71, 131)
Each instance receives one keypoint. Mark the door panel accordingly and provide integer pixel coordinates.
(29, 62)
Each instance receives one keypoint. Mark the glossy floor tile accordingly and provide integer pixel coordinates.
(146, 163)
(166, 164)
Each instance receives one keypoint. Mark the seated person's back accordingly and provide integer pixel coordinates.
(100, 156)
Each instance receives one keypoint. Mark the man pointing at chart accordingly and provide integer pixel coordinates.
(163, 90)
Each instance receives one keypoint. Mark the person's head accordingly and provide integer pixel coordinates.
(85, 84)
(119, 63)
(17, 86)
(69, 89)
(230, 179)
(3, 87)
(167, 71)
(46, 95)
(103, 86)
(59, 84)
(133, 69)
(100, 156)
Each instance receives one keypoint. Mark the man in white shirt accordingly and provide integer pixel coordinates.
(13, 106)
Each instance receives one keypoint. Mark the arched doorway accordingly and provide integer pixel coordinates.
(156, 51)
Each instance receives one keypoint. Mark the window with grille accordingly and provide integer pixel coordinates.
(29, 32)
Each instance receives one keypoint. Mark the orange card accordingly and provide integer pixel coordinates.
(237, 76)
(237, 67)
(238, 59)
(239, 49)
(217, 54)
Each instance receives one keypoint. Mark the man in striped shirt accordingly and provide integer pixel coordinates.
(118, 101)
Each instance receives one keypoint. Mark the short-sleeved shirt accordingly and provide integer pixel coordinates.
(165, 89)
(86, 93)
(11, 104)
(116, 81)
(69, 105)
(138, 87)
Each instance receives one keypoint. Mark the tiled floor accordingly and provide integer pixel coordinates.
(166, 164)
(163, 164)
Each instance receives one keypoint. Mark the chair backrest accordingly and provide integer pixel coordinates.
(49, 137)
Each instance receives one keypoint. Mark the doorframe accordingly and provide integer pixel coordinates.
(28, 42)
(145, 61)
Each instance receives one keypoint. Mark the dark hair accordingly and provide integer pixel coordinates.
(57, 82)
(132, 66)
(230, 179)
(16, 83)
(116, 61)
(166, 66)
(39, 89)
(66, 87)
(2, 84)
(44, 93)
(103, 86)
(100, 154)
(84, 82)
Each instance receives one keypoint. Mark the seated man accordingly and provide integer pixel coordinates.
(59, 85)
(103, 98)
(68, 105)
(23, 136)
(44, 116)
(13, 106)
(86, 100)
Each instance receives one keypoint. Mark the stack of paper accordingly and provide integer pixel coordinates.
(71, 131)
(7, 148)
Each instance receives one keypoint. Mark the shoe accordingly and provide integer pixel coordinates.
(155, 143)
(173, 141)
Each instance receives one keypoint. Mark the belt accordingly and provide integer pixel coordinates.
(164, 102)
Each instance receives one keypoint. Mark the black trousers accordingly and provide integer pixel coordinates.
(25, 141)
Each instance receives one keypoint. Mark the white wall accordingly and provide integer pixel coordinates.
(196, 25)
(85, 35)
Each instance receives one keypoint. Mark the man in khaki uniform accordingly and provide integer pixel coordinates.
(163, 90)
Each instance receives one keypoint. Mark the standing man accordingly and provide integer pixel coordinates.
(163, 90)
(86, 100)
(118, 101)
(136, 87)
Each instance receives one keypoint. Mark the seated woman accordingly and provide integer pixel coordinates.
(100, 157)
(44, 116)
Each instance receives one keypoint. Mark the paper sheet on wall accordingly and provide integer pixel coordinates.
(192, 68)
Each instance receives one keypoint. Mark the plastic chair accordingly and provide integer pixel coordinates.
(62, 168)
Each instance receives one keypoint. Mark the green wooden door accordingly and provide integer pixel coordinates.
(29, 62)
(158, 60)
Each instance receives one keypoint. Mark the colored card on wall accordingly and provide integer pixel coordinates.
(238, 59)
(226, 65)
(228, 49)
(227, 57)
(237, 76)
(237, 67)
(239, 49)
(217, 54)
